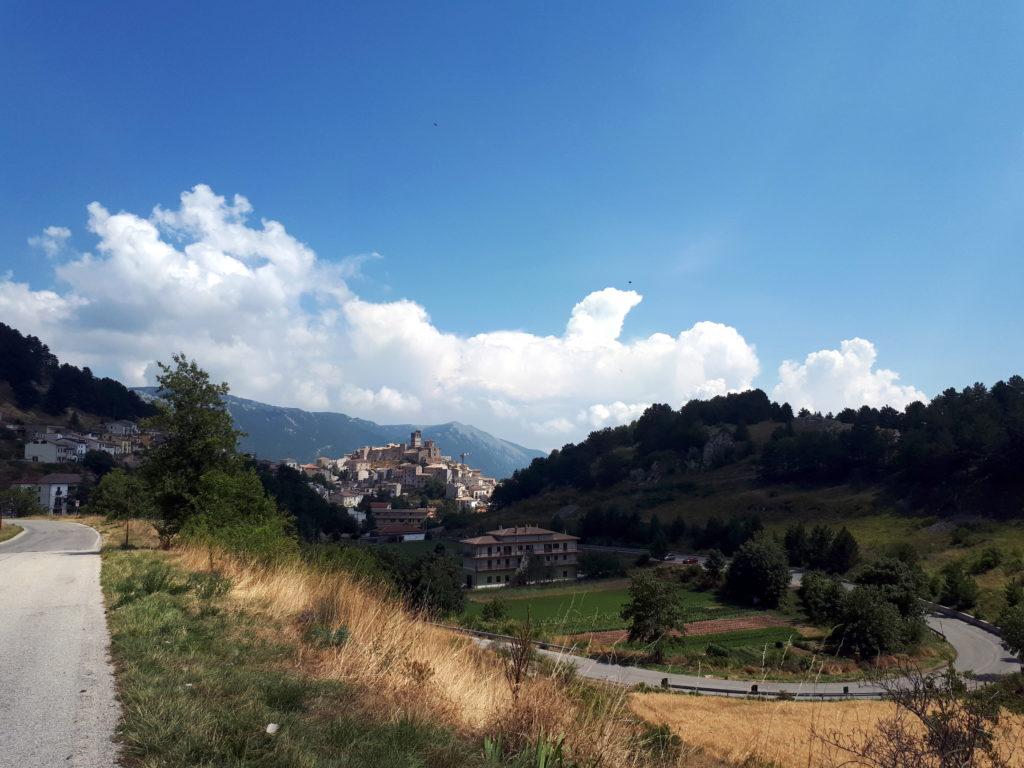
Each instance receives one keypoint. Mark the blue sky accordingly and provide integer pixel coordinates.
(803, 173)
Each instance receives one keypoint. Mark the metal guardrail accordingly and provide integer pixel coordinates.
(754, 691)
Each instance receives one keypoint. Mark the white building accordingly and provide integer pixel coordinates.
(53, 491)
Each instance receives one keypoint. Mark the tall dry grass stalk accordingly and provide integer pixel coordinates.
(783, 733)
(407, 668)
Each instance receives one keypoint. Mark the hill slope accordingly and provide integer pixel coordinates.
(273, 432)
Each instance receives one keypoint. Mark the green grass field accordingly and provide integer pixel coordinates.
(591, 608)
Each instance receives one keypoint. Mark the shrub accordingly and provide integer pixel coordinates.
(324, 636)
(1011, 622)
(208, 586)
(717, 651)
(987, 559)
(494, 610)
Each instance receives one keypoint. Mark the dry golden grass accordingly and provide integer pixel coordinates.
(141, 533)
(776, 732)
(407, 668)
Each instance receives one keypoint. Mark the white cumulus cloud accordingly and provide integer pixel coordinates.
(52, 241)
(259, 309)
(833, 379)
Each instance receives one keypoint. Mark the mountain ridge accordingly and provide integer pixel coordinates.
(279, 432)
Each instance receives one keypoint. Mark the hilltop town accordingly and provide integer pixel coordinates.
(376, 478)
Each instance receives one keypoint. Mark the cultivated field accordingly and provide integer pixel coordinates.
(595, 609)
(779, 733)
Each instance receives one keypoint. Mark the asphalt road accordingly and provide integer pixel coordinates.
(977, 651)
(57, 700)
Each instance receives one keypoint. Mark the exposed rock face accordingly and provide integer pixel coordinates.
(718, 449)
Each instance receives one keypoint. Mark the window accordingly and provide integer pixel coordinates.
(488, 579)
(565, 574)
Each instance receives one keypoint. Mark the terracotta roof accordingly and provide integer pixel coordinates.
(59, 479)
(526, 532)
(480, 540)
(393, 529)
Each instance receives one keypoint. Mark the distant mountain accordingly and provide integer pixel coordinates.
(276, 433)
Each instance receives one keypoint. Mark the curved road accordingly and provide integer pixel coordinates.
(57, 697)
(978, 651)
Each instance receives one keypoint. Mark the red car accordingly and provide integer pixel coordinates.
(690, 561)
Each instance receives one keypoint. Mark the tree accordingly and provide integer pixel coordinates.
(121, 496)
(232, 511)
(98, 462)
(531, 570)
(20, 502)
(600, 565)
(434, 585)
(871, 625)
(653, 609)
(844, 553)
(900, 584)
(819, 547)
(197, 436)
(759, 572)
(823, 598)
(1013, 593)
(795, 542)
(658, 539)
(714, 565)
(959, 590)
(1011, 622)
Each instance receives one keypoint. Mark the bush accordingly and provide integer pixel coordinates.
(717, 651)
(987, 559)
(324, 636)
(494, 610)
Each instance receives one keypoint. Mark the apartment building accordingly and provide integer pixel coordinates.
(493, 559)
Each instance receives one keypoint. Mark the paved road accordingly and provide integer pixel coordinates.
(977, 651)
(57, 702)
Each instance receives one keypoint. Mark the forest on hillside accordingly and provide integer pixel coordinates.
(964, 447)
(38, 380)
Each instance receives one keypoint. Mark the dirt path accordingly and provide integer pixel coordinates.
(693, 629)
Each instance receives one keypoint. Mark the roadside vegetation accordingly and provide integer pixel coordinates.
(9, 531)
(931, 722)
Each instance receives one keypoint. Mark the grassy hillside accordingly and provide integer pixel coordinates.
(210, 651)
(880, 522)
